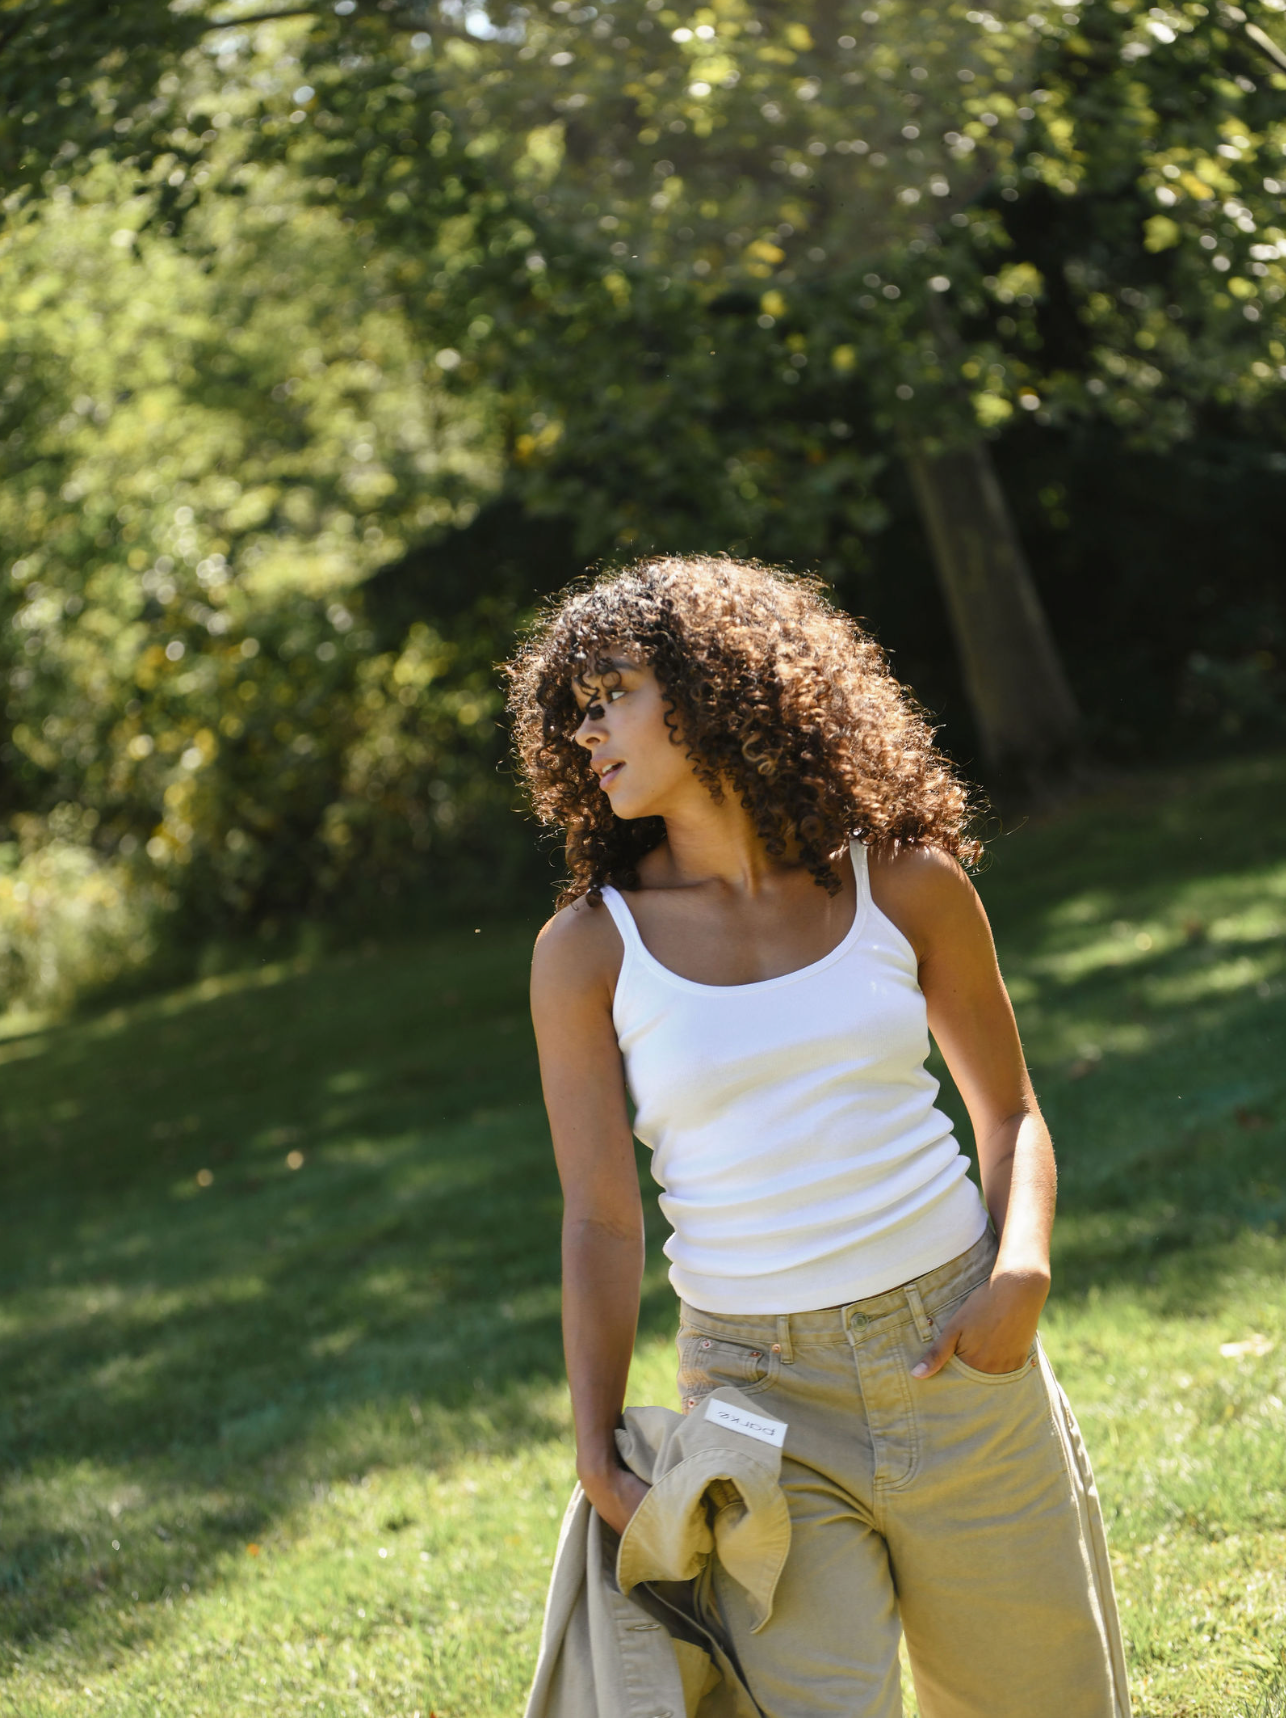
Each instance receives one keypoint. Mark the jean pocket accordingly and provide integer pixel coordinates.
(708, 1361)
(1010, 1378)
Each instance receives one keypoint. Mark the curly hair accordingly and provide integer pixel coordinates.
(775, 694)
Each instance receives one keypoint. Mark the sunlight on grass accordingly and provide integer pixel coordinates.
(284, 1428)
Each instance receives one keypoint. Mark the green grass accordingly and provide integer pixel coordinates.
(295, 1441)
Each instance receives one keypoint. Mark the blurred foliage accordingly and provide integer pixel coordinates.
(286, 303)
(206, 448)
(715, 305)
(70, 918)
(871, 195)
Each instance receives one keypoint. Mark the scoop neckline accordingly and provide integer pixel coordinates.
(861, 907)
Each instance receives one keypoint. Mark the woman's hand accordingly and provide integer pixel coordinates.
(991, 1330)
(616, 1495)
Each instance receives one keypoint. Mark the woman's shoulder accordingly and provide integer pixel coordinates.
(922, 888)
(917, 866)
(577, 950)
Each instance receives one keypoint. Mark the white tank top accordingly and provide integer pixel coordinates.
(792, 1125)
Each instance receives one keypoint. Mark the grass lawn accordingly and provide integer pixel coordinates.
(283, 1429)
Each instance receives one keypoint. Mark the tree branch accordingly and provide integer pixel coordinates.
(262, 18)
(1264, 41)
(395, 21)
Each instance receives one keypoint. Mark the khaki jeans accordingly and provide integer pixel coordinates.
(959, 1509)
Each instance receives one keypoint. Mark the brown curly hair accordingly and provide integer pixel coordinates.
(772, 690)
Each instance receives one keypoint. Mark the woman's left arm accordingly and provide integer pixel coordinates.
(929, 898)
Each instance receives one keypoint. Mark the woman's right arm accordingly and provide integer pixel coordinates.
(573, 972)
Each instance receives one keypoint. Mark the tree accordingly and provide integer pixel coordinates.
(581, 199)
(205, 447)
(788, 154)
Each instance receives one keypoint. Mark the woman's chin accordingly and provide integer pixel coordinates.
(627, 805)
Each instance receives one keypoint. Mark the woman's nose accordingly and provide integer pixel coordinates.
(590, 729)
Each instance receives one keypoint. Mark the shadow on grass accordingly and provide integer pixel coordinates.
(189, 1363)
(195, 1358)
(1145, 931)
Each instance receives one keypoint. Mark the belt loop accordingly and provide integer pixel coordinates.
(783, 1339)
(923, 1324)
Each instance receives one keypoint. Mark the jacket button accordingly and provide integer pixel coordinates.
(776, 1349)
(705, 1343)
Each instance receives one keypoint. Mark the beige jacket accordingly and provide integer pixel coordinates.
(622, 1633)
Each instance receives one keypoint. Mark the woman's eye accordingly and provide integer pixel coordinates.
(594, 709)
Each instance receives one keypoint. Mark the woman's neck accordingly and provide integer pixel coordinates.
(709, 841)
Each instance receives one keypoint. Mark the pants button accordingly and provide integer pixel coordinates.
(860, 1322)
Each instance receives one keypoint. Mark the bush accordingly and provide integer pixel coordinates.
(209, 446)
(70, 918)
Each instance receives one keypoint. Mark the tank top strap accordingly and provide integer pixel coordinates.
(614, 902)
(857, 853)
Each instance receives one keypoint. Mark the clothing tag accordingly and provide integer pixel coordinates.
(742, 1421)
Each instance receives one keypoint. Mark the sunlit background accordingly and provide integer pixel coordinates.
(336, 336)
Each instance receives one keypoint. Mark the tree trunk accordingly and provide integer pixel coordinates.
(1027, 717)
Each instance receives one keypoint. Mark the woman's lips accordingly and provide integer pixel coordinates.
(610, 775)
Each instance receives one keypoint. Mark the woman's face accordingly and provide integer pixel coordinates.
(641, 769)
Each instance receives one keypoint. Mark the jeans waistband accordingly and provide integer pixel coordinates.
(932, 1290)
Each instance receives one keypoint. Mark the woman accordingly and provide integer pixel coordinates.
(767, 913)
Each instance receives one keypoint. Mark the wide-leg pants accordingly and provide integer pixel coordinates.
(960, 1509)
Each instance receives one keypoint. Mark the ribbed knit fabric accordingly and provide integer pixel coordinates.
(792, 1123)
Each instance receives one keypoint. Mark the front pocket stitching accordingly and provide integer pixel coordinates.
(726, 1385)
(771, 1358)
(1009, 1378)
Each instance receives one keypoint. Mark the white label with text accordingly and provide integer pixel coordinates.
(743, 1421)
